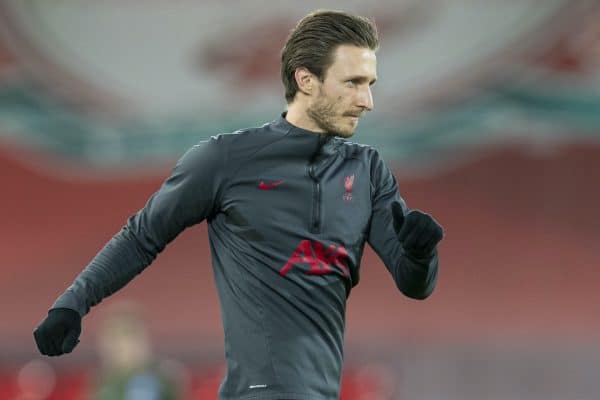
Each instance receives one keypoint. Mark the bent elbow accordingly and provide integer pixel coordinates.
(416, 293)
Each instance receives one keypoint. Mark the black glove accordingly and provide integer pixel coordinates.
(418, 232)
(59, 332)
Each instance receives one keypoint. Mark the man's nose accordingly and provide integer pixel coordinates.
(365, 99)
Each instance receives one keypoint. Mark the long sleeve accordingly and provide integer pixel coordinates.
(188, 196)
(416, 278)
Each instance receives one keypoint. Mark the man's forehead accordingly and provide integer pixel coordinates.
(354, 60)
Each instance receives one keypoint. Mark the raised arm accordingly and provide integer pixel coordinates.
(404, 240)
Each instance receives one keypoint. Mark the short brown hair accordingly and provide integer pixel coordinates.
(312, 42)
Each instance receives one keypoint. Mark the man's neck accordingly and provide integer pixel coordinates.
(297, 116)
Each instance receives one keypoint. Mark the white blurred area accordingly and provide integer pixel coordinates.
(124, 85)
(163, 59)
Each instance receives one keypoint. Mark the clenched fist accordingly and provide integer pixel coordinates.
(418, 232)
(59, 332)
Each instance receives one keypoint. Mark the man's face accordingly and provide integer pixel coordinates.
(345, 94)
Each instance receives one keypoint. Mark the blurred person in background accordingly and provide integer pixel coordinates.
(130, 370)
(290, 206)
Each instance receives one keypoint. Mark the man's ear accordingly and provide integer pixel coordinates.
(305, 80)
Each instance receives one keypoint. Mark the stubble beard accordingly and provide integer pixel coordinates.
(324, 115)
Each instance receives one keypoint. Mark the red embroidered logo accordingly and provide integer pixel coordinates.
(266, 186)
(348, 183)
(318, 258)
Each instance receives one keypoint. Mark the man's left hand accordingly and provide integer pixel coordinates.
(418, 232)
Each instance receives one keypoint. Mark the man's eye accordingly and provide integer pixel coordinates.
(350, 83)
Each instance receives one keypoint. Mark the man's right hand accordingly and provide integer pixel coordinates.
(59, 332)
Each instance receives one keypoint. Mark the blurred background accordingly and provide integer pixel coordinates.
(488, 112)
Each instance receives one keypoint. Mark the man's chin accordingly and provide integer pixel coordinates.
(345, 133)
(340, 130)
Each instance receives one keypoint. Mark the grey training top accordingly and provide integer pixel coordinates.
(288, 212)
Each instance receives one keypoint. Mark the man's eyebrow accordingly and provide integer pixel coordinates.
(361, 78)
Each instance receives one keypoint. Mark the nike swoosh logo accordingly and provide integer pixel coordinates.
(266, 186)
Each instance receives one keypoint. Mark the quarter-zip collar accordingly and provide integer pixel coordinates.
(321, 147)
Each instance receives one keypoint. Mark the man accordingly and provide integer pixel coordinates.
(289, 207)
(130, 369)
